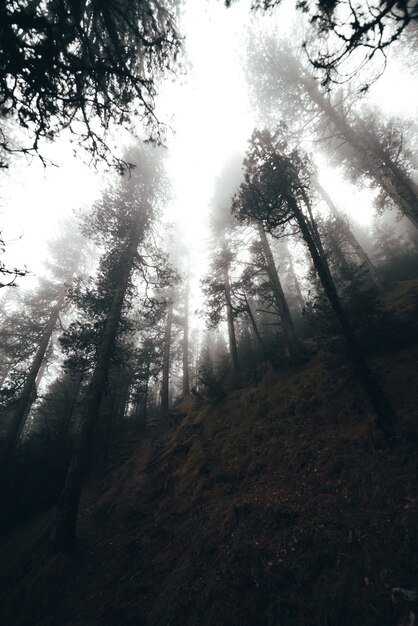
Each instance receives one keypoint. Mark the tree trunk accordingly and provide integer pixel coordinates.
(350, 238)
(166, 363)
(233, 350)
(29, 388)
(65, 526)
(398, 186)
(292, 343)
(254, 325)
(108, 409)
(386, 417)
(186, 383)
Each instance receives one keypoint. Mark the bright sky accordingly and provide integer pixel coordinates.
(212, 119)
(210, 113)
(34, 200)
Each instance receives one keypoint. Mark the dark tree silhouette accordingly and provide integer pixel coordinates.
(71, 64)
(342, 29)
(275, 193)
(121, 221)
(280, 77)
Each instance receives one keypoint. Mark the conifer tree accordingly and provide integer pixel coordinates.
(275, 193)
(121, 222)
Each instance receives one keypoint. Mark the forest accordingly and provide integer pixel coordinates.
(208, 313)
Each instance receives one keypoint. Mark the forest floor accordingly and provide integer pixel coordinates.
(279, 505)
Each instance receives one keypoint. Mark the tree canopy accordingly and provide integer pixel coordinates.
(81, 66)
(348, 35)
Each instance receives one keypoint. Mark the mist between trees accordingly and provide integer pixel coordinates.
(126, 323)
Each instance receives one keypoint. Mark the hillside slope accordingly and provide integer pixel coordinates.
(278, 505)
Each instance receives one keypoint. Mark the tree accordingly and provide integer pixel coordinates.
(349, 236)
(281, 77)
(185, 343)
(219, 298)
(292, 343)
(65, 259)
(166, 361)
(121, 222)
(275, 193)
(342, 29)
(26, 397)
(83, 66)
(217, 285)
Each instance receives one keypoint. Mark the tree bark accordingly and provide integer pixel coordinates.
(292, 343)
(166, 363)
(386, 418)
(29, 388)
(65, 525)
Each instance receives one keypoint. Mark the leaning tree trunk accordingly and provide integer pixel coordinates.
(186, 383)
(396, 183)
(233, 350)
(166, 363)
(293, 346)
(386, 417)
(351, 238)
(65, 525)
(29, 388)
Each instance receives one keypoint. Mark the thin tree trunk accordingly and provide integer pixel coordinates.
(166, 363)
(28, 394)
(233, 350)
(144, 405)
(254, 325)
(350, 237)
(145, 410)
(386, 417)
(186, 383)
(293, 346)
(65, 526)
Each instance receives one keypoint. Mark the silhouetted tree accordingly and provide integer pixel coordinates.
(72, 64)
(279, 76)
(343, 29)
(275, 193)
(121, 221)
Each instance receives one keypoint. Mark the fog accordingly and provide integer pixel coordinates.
(205, 198)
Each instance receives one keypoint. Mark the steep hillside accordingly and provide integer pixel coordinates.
(278, 505)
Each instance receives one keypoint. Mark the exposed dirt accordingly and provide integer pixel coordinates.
(279, 506)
